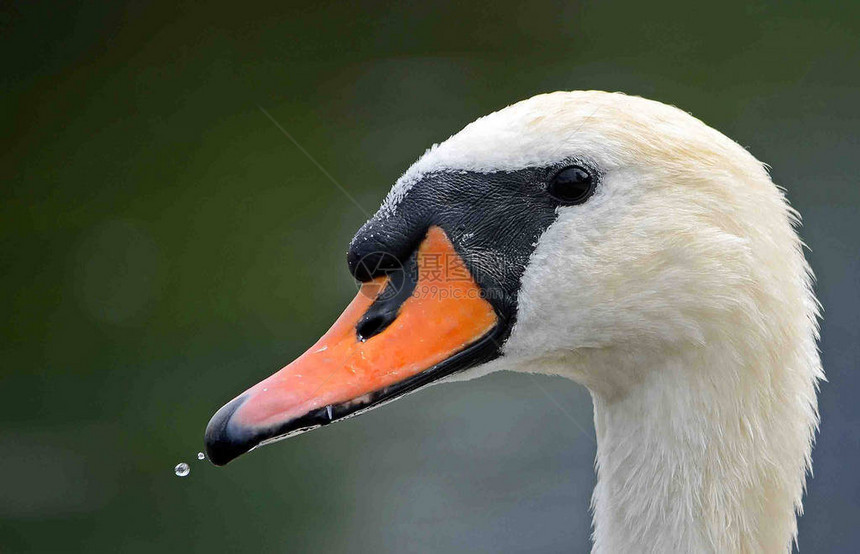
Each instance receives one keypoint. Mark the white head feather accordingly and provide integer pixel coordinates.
(679, 295)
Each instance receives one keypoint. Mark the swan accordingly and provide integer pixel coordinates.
(618, 242)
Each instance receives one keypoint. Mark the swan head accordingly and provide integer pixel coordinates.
(574, 233)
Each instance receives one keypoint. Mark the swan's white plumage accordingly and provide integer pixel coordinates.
(679, 295)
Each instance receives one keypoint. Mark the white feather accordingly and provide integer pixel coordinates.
(679, 295)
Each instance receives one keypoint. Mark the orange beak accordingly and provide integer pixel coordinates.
(442, 326)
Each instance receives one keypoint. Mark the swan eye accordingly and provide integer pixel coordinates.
(572, 185)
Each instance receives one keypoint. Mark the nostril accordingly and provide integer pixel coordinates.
(373, 324)
(386, 306)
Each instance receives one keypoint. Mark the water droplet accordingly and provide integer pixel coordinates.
(181, 469)
(328, 412)
(201, 456)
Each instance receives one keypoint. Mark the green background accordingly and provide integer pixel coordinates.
(164, 245)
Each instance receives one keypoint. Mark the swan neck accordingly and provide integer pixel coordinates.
(699, 457)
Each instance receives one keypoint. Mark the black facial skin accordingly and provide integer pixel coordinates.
(494, 221)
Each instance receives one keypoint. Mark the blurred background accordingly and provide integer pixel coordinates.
(164, 245)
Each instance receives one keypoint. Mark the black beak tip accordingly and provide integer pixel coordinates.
(225, 441)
